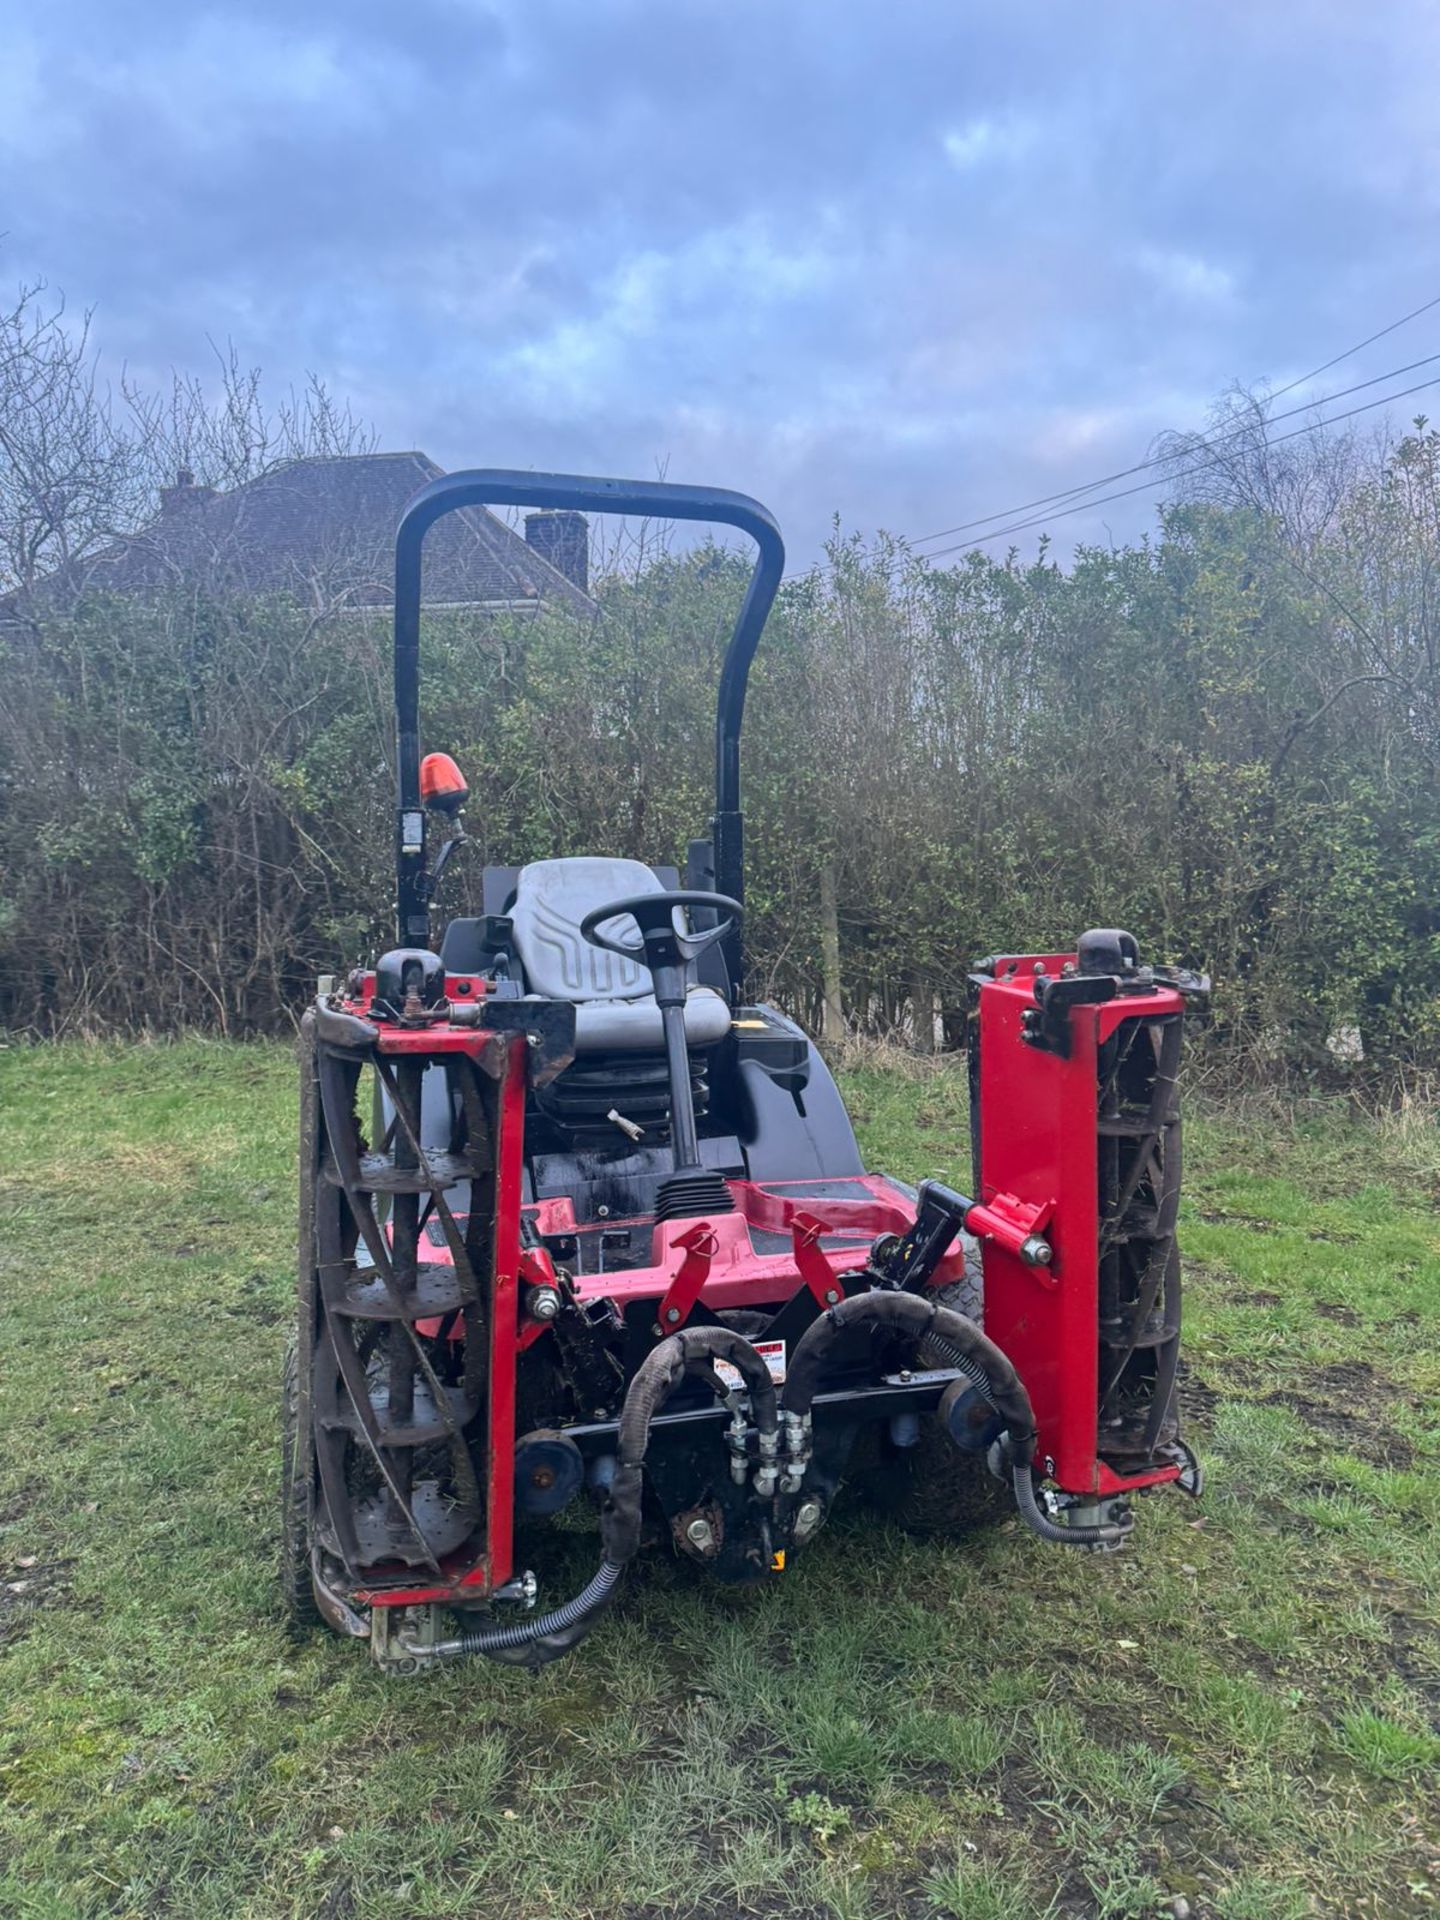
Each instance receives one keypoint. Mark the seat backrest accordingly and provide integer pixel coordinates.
(552, 897)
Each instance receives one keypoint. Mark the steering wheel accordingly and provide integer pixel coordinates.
(691, 1188)
(661, 943)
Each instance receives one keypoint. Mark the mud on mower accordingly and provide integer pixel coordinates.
(579, 1222)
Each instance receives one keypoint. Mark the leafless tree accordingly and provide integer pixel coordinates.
(81, 468)
(232, 433)
(1298, 478)
(69, 470)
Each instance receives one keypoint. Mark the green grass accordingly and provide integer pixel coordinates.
(1238, 1709)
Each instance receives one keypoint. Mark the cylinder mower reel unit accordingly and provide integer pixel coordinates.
(584, 1226)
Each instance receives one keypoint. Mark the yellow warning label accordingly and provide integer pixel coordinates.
(777, 1561)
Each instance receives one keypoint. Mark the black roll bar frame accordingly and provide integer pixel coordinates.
(658, 499)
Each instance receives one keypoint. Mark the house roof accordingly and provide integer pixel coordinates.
(322, 529)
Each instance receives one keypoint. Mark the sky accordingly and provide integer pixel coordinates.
(907, 264)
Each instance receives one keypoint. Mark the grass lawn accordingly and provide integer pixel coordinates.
(1236, 1710)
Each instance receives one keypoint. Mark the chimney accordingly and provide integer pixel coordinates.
(564, 540)
(184, 493)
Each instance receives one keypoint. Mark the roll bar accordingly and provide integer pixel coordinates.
(496, 487)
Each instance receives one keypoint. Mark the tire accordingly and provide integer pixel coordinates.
(934, 1488)
(967, 1294)
(297, 1589)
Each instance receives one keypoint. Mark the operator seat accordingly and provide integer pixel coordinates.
(614, 999)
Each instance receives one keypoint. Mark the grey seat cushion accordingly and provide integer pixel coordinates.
(634, 1026)
(614, 997)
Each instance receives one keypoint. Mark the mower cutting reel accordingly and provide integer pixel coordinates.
(579, 1222)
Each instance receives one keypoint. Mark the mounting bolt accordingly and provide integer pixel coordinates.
(831, 1296)
(700, 1534)
(542, 1303)
(905, 1376)
(672, 1314)
(534, 1040)
(807, 1519)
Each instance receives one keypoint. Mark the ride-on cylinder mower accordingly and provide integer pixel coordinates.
(578, 1222)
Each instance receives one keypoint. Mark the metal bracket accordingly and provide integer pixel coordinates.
(814, 1269)
(701, 1245)
(1046, 1025)
(1016, 1225)
(402, 1639)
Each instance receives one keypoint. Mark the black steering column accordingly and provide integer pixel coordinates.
(667, 947)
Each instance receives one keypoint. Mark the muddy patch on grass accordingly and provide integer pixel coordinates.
(15, 1505)
(1353, 1380)
(338, 1903)
(1413, 1653)
(1375, 1444)
(27, 1584)
(1335, 1310)
(1349, 1404)
(259, 1299)
(1197, 1401)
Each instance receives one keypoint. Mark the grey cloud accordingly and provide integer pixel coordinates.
(910, 262)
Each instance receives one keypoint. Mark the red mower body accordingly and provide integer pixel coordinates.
(580, 1221)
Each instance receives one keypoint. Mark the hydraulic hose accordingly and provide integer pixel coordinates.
(1099, 1534)
(947, 1354)
(692, 1350)
(965, 1348)
(1106, 1534)
(913, 1317)
(591, 1599)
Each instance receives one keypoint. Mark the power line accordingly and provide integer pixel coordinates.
(1162, 460)
(1081, 506)
(1359, 347)
(1144, 466)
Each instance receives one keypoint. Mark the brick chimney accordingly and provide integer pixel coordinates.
(562, 538)
(185, 493)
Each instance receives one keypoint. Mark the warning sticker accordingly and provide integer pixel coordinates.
(772, 1352)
